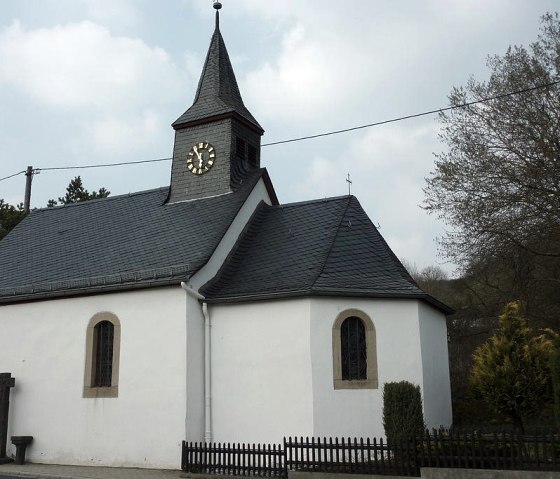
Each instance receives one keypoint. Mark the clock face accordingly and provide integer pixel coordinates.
(201, 158)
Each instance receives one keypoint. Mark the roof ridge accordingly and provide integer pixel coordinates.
(398, 263)
(307, 202)
(95, 200)
(336, 230)
(403, 272)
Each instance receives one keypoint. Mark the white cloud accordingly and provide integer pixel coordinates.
(82, 66)
(112, 12)
(117, 136)
(387, 166)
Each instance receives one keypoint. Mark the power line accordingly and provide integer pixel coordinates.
(102, 165)
(37, 170)
(319, 135)
(11, 176)
(416, 115)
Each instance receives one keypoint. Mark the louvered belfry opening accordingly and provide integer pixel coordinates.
(353, 349)
(104, 335)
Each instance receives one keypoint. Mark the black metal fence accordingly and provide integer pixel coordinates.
(441, 448)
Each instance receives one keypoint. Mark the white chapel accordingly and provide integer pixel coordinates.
(207, 311)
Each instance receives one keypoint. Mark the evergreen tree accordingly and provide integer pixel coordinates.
(10, 216)
(511, 370)
(75, 193)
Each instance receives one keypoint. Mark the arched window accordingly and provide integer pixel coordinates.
(354, 351)
(103, 338)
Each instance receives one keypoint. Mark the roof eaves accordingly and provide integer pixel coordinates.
(329, 292)
(88, 291)
(114, 282)
(258, 296)
(184, 121)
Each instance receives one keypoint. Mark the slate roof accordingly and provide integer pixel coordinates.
(218, 92)
(119, 242)
(322, 247)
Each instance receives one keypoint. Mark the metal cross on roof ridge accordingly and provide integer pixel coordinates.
(349, 181)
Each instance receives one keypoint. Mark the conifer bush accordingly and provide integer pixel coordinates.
(511, 371)
(402, 410)
(554, 365)
(555, 376)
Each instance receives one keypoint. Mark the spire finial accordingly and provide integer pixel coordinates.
(217, 6)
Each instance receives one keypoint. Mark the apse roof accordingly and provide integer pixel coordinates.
(321, 247)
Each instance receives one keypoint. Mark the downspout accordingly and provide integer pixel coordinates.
(207, 375)
(207, 370)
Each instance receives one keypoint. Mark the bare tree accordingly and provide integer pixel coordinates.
(498, 185)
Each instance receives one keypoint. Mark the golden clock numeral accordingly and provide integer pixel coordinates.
(201, 145)
(211, 149)
(205, 168)
(190, 166)
(205, 145)
(189, 161)
(200, 171)
(212, 155)
(210, 162)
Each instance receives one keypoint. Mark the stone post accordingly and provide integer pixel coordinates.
(6, 382)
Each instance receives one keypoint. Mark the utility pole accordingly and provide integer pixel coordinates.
(28, 179)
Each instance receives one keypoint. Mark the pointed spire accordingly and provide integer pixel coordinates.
(217, 6)
(217, 92)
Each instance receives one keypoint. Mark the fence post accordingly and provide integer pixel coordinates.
(332, 456)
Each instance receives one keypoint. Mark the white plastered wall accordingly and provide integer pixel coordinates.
(272, 367)
(194, 421)
(358, 412)
(435, 363)
(195, 410)
(261, 371)
(43, 345)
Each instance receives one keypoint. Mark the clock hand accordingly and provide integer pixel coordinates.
(197, 153)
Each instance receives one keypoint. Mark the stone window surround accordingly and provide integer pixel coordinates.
(371, 350)
(91, 391)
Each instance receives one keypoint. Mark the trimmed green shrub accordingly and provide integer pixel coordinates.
(402, 410)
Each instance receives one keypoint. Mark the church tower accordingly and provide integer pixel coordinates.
(217, 140)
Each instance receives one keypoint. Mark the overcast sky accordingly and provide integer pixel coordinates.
(88, 82)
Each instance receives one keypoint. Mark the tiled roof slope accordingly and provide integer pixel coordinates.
(217, 92)
(119, 242)
(322, 247)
